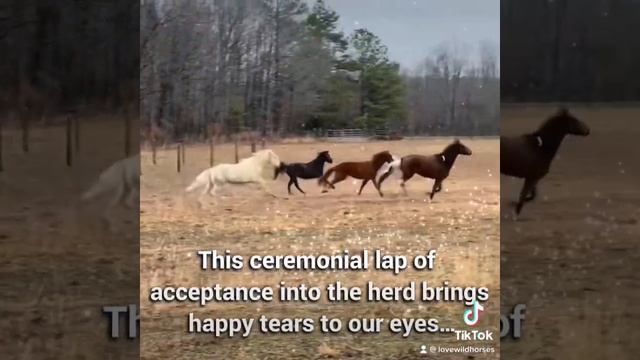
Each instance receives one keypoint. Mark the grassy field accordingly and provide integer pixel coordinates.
(59, 264)
(462, 223)
(572, 256)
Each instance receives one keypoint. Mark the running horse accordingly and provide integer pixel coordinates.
(363, 170)
(529, 156)
(435, 167)
(310, 170)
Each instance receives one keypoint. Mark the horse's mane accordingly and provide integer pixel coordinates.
(260, 155)
(262, 152)
(546, 125)
(378, 159)
(448, 148)
(551, 122)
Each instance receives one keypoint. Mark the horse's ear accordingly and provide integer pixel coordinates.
(563, 111)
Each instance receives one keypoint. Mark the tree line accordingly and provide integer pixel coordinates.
(68, 55)
(281, 67)
(570, 50)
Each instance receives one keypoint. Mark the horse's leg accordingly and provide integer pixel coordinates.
(405, 178)
(377, 185)
(336, 179)
(291, 181)
(206, 189)
(107, 214)
(529, 185)
(119, 196)
(264, 186)
(295, 182)
(214, 189)
(131, 197)
(383, 178)
(437, 186)
(532, 194)
(364, 182)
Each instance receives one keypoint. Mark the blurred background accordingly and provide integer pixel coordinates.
(571, 256)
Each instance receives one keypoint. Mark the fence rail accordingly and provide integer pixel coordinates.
(355, 134)
(345, 133)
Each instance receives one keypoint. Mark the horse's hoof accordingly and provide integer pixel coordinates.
(325, 191)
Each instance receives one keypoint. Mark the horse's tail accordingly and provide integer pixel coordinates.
(387, 169)
(199, 181)
(96, 189)
(280, 169)
(107, 180)
(323, 179)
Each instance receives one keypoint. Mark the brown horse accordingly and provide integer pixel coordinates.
(435, 167)
(529, 156)
(364, 170)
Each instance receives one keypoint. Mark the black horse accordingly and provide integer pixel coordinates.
(311, 170)
(529, 156)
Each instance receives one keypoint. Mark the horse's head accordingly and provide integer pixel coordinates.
(325, 157)
(565, 122)
(381, 158)
(458, 148)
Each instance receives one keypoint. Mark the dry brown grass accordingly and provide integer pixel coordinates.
(59, 264)
(461, 223)
(572, 257)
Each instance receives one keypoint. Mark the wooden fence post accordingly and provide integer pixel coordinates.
(153, 151)
(1, 166)
(68, 138)
(25, 132)
(127, 134)
(211, 151)
(178, 157)
(76, 133)
(236, 148)
(184, 153)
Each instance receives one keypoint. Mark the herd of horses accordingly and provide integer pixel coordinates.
(256, 168)
(528, 156)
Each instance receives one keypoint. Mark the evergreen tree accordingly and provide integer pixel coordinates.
(382, 89)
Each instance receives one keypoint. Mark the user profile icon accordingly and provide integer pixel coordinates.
(423, 349)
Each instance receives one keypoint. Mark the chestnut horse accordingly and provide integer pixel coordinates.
(529, 156)
(364, 170)
(435, 167)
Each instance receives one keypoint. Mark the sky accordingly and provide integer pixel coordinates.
(411, 29)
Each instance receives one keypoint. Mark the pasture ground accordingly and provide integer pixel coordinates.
(462, 223)
(572, 256)
(59, 264)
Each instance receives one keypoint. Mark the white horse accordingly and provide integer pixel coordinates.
(256, 169)
(121, 182)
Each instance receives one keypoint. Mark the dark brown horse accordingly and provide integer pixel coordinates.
(529, 156)
(435, 167)
(364, 170)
